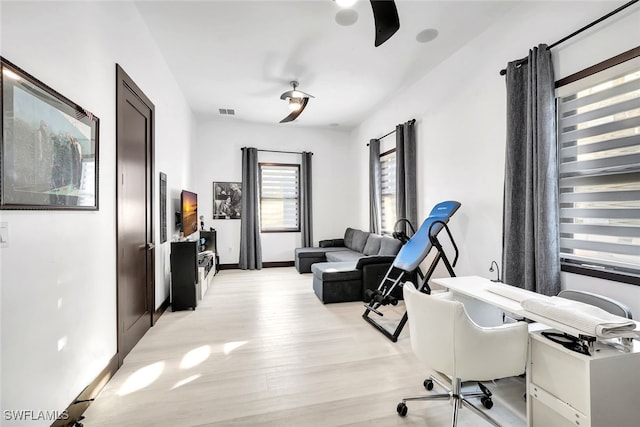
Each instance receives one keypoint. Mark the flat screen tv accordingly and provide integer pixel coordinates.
(188, 212)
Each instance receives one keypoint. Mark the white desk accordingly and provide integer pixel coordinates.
(476, 288)
(565, 388)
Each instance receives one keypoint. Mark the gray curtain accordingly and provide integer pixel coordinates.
(530, 236)
(375, 187)
(406, 193)
(250, 246)
(306, 217)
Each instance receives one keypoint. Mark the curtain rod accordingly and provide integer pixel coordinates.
(280, 151)
(412, 121)
(386, 135)
(575, 33)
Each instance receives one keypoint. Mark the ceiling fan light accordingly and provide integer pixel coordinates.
(346, 3)
(295, 104)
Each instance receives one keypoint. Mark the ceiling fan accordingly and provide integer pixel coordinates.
(297, 102)
(385, 15)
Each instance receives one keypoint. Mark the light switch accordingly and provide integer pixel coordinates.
(4, 235)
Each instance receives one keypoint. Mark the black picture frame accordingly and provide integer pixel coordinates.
(227, 200)
(48, 146)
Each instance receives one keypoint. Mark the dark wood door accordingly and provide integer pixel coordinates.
(134, 149)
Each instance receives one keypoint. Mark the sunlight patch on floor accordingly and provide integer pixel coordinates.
(185, 381)
(141, 378)
(230, 346)
(195, 357)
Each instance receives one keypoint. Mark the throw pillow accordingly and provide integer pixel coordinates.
(372, 247)
(389, 246)
(359, 240)
(348, 237)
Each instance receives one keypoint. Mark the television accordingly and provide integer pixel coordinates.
(188, 212)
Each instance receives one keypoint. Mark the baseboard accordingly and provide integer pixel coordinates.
(278, 264)
(264, 265)
(163, 307)
(80, 404)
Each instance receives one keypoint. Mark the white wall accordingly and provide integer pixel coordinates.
(218, 158)
(461, 120)
(58, 275)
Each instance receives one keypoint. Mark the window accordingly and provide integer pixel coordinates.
(279, 197)
(388, 190)
(599, 171)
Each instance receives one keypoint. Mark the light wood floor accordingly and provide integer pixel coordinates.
(261, 349)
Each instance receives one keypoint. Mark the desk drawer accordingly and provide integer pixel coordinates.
(561, 373)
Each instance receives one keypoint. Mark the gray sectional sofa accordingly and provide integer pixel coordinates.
(343, 269)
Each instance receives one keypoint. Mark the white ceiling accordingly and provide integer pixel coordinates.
(242, 55)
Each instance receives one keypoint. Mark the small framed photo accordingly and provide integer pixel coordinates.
(163, 207)
(227, 200)
(48, 146)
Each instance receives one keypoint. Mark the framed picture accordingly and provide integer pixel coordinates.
(227, 198)
(163, 207)
(48, 147)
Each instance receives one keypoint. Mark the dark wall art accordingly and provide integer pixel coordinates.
(163, 207)
(227, 198)
(48, 147)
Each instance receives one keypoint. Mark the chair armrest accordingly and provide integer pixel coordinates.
(331, 243)
(375, 259)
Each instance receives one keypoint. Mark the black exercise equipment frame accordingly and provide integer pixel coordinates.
(424, 284)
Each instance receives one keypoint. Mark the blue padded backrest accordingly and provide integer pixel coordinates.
(418, 247)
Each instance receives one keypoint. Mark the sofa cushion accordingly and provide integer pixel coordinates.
(389, 246)
(344, 255)
(372, 247)
(359, 240)
(313, 252)
(348, 237)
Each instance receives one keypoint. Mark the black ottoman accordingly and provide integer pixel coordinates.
(337, 282)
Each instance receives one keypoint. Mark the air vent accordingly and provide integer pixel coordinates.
(227, 111)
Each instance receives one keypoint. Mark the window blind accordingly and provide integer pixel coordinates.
(599, 161)
(388, 190)
(279, 197)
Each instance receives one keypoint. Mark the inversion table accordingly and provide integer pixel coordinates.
(408, 260)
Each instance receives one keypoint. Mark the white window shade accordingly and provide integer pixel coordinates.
(388, 190)
(279, 197)
(599, 161)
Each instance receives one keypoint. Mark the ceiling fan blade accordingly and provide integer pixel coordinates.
(386, 18)
(294, 114)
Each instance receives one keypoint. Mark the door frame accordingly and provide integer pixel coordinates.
(123, 80)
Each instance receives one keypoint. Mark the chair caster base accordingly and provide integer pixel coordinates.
(487, 402)
(402, 409)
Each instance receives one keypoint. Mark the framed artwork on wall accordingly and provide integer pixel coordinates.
(48, 146)
(227, 198)
(163, 207)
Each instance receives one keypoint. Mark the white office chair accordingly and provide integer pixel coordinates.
(607, 304)
(448, 341)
